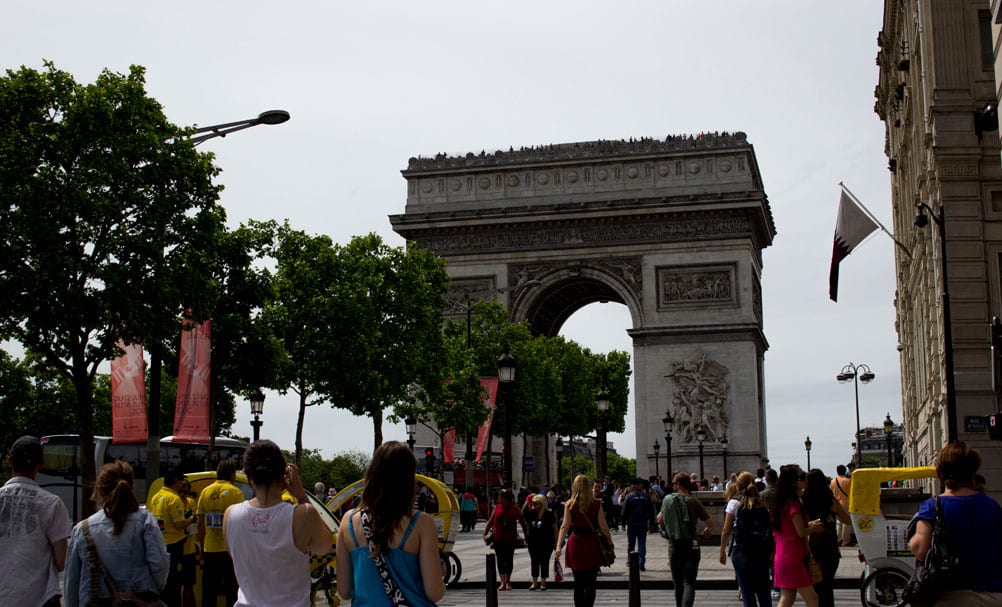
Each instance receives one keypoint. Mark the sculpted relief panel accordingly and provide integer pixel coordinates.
(701, 398)
(699, 285)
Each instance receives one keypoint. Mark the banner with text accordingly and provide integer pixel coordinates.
(191, 413)
(491, 386)
(128, 396)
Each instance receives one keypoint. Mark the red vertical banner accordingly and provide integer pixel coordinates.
(490, 385)
(191, 412)
(449, 446)
(128, 396)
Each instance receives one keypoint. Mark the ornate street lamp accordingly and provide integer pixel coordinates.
(888, 432)
(602, 402)
(410, 423)
(668, 422)
(700, 437)
(257, 409)
(807, 446)
(723, 446)
(921, 221)
(856, 373)
(506, 375)
(559, 444)
(657, 456)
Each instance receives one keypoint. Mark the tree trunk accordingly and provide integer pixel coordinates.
(299, 425)
(377, 429)
(85, 428)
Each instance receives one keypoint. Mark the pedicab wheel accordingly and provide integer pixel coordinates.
(322, 588)
(883, 588)
(455, 569)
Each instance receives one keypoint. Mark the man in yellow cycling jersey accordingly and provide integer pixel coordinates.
(217, 570)
(169, 509)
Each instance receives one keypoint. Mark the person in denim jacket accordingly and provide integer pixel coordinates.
(127, 539)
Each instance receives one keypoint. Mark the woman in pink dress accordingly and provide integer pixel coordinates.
(790, 530)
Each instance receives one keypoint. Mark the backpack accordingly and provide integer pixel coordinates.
(675, 519)
(753, 531)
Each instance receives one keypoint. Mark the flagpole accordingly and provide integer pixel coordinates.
(874, 218)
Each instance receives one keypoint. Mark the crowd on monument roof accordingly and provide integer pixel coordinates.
(585, 149)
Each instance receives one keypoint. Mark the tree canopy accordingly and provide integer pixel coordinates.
(106, 217)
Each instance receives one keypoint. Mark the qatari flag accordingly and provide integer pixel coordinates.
(852, 228)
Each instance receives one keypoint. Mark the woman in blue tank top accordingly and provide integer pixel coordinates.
(385, 542)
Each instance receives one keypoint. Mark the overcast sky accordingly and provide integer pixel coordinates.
(370, 84)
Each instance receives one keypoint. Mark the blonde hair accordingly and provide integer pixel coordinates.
(738, 486)
(539, 499)
(581, 494)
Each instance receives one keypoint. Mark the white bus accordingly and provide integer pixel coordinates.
(61, 472)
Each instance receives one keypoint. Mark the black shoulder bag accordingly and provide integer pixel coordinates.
(932, 577)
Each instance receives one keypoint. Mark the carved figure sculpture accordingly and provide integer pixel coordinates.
(700, 398)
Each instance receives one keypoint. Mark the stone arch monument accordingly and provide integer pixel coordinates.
(673, 229)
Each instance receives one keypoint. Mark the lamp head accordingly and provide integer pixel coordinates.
(668, 422)
(808, 443)
(273, 117)
(410, 423)
(506, 368)
(257, 402)
(888, 424)
(602, 400)
(657, 447)
(921, 219)
(845, 376)
(867, 376)
(700, 434)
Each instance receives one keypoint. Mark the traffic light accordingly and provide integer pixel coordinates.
(429, 460)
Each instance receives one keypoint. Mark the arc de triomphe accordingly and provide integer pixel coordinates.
(673, 229)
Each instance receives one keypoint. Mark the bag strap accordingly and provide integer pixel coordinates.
(97, 570)
(389, 585)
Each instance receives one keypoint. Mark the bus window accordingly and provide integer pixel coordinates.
(60, 458)
(133, 453)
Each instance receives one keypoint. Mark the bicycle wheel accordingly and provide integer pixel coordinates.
(457, 569)
(883, 588)
(443, 561)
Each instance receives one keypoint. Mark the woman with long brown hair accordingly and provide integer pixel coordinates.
(583, 515)
(127, 540)
(385, 541)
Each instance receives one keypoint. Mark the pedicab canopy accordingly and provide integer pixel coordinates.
(864, 493)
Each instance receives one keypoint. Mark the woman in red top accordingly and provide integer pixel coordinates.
(791, 530)
(504, 521)
(583, 515)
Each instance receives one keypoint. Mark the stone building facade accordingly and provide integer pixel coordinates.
(937, 61)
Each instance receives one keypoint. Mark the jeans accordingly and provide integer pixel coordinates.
(684, 559)
(637, 535)
(752, 573)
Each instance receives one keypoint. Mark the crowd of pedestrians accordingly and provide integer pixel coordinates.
(256, 551)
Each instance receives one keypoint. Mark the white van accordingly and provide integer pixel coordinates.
(61, 472)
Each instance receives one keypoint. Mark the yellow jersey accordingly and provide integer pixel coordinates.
(168, 508)
(212, 503)
(191, 531)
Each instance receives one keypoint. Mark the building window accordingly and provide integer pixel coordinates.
(987, 48)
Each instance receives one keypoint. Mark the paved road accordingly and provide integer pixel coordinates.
(617, 598)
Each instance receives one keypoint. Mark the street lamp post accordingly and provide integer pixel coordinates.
(700, 437)
(888, 432)
(921, 221)
(668, 422)
(410, 423)
(506, 375)
(559, 444)
(602, 401)
(857, 373)
(657, 456)
(257, 409)
(723, 446)
(156, 354)
(807, 446)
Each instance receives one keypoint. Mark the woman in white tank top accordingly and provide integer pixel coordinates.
(270, 540)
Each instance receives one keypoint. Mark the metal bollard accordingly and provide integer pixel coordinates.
(633, 568)
(490, 581)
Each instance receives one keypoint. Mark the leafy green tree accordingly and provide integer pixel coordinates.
(346, 468)
(302, 314)
(105, 220)
(389, 329)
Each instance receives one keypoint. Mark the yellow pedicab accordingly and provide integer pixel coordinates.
(883, 540)
(446, 519)
(321, 568)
